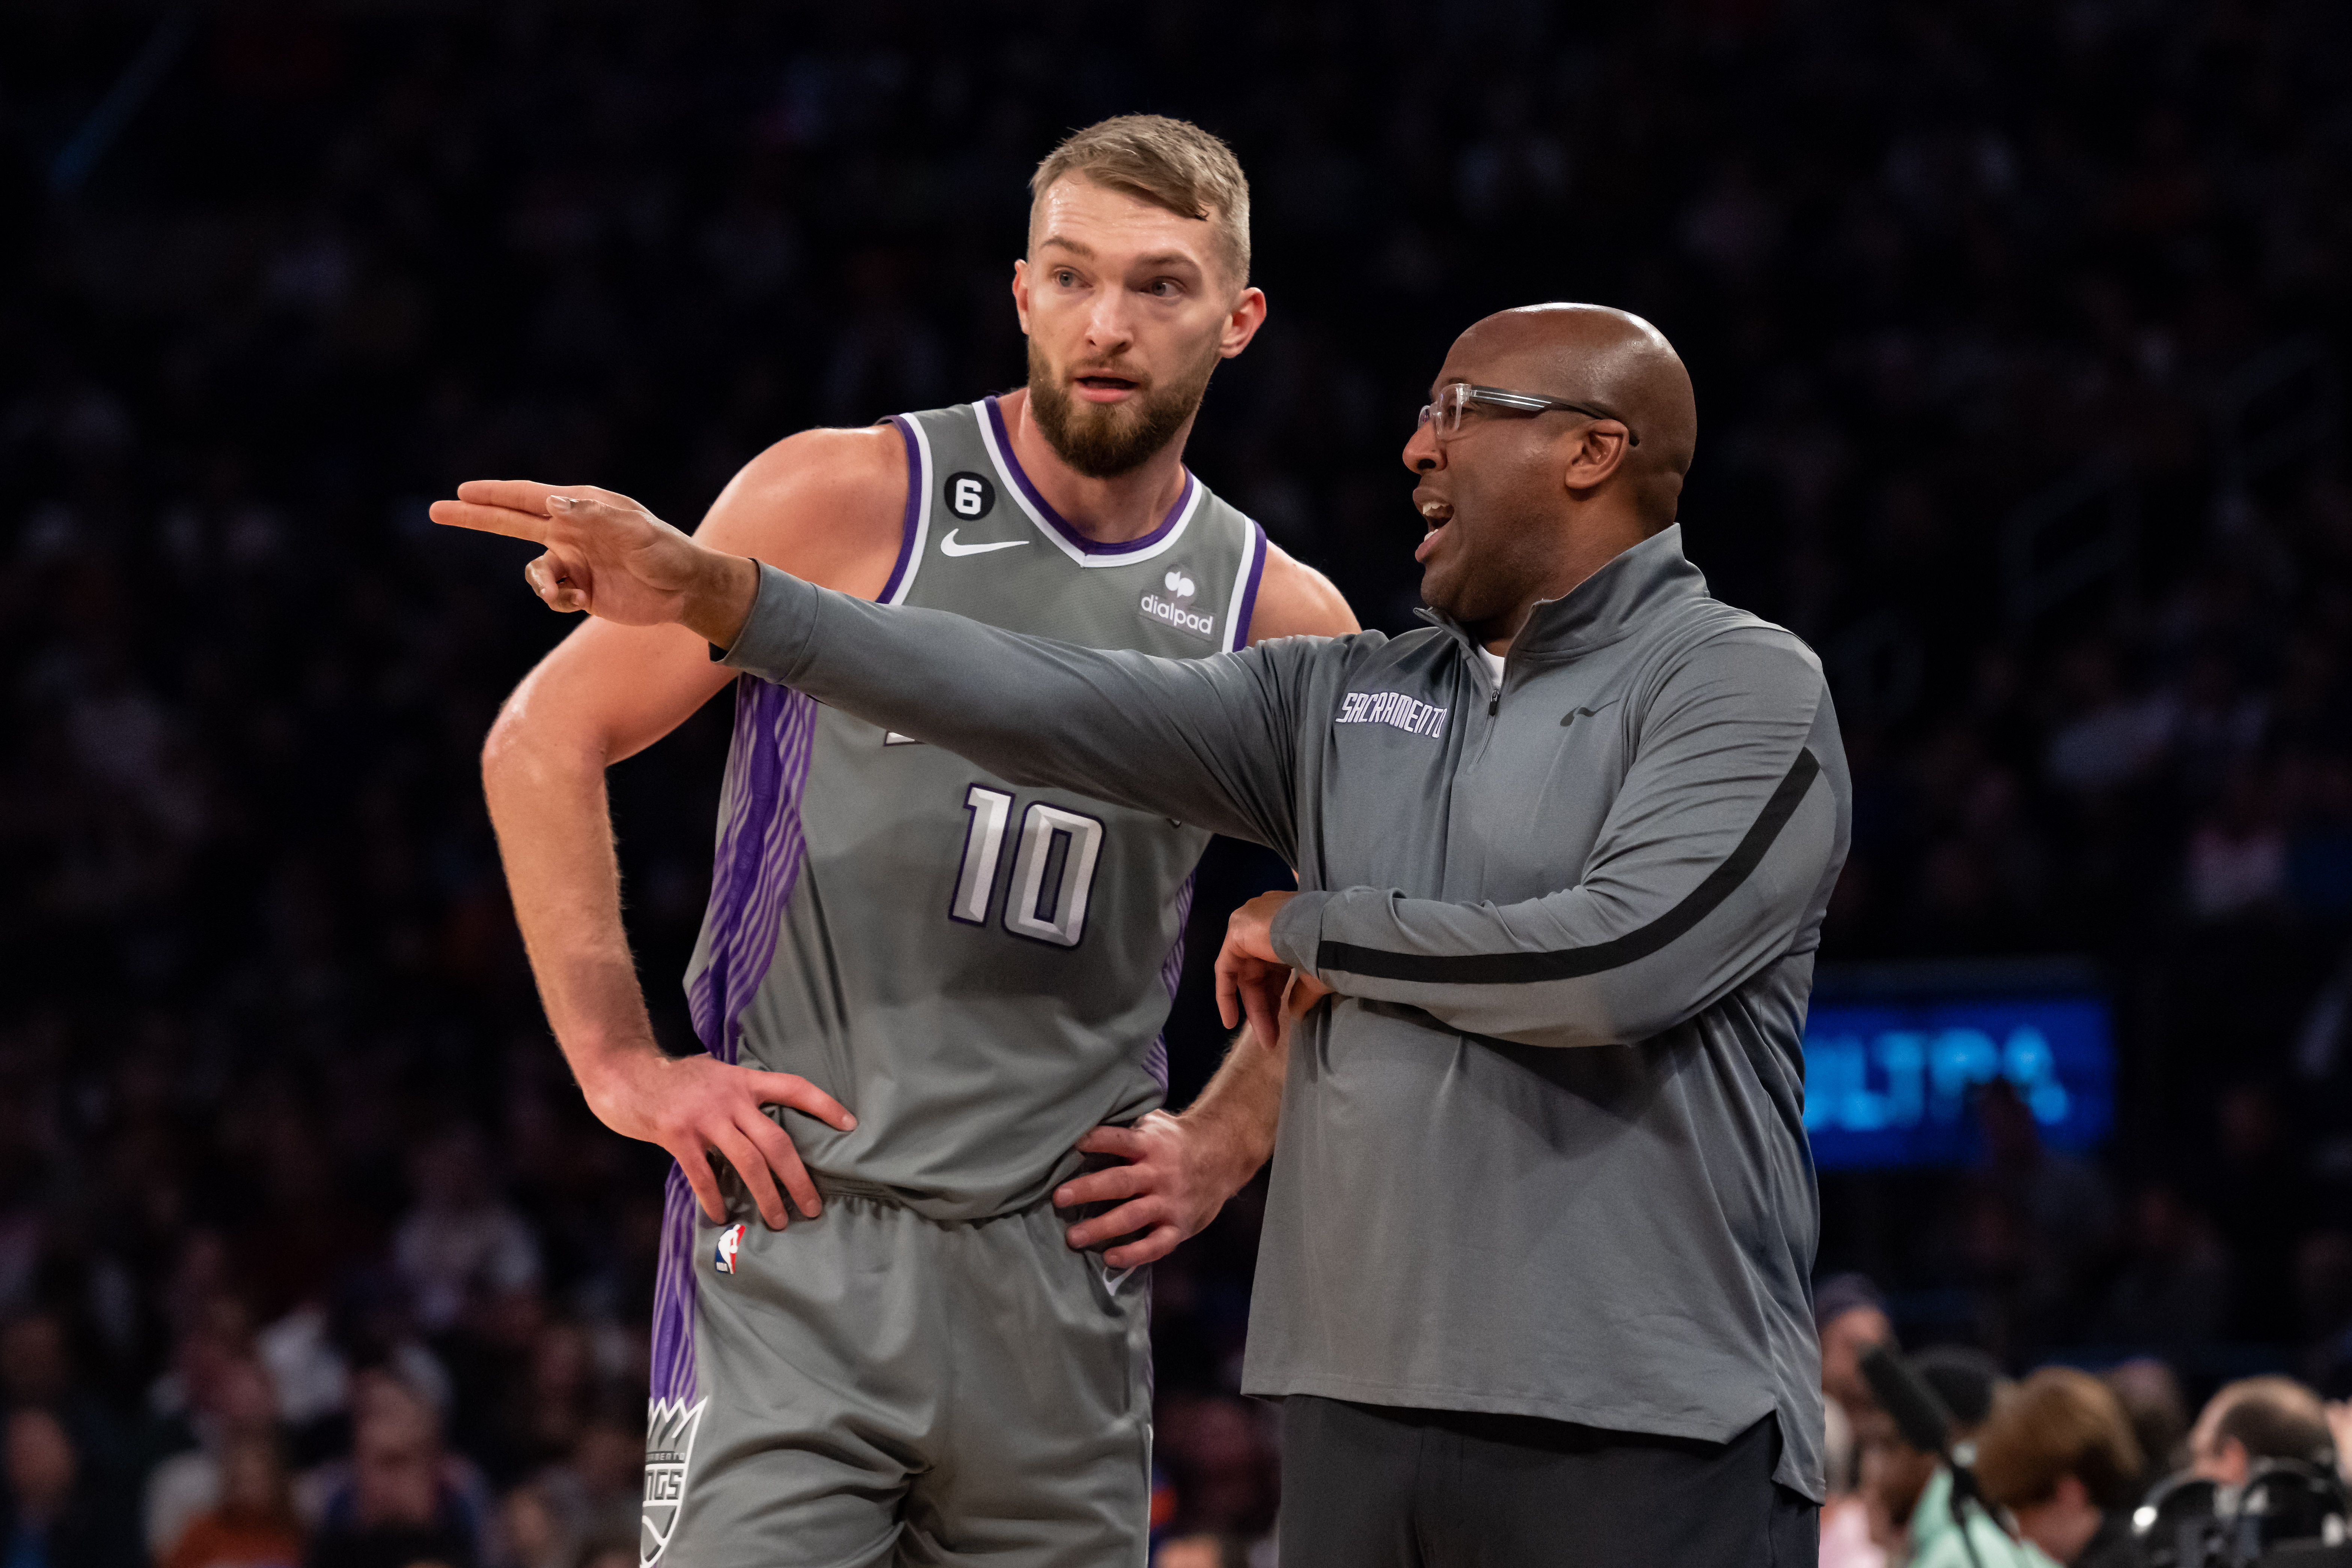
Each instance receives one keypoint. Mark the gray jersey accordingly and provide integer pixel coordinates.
(979, 971)
(1626, 850)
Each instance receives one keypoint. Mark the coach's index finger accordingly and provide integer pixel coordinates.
(513, 522)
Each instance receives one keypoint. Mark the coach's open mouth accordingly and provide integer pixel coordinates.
(1435, 513)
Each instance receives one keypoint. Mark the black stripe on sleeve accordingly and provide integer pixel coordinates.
(1568, 962)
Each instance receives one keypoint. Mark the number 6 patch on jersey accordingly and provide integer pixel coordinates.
(970, 496)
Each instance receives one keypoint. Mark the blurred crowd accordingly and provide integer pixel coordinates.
(2017, 331)
(2064, 1467)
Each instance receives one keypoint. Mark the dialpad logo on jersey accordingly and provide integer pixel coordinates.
(670, 1426)
(1169, 603)
(970, 496)
(731, 1242)
(1394, 708)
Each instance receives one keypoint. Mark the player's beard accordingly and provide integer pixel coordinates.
(1104, 440)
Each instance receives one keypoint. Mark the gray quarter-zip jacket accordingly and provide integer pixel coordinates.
(1626, 850)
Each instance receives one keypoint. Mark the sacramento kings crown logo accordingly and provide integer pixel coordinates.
(670, 1428)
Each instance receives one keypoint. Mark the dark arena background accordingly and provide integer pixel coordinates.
(2020, 333)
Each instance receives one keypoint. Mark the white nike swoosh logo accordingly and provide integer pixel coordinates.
(948, 547)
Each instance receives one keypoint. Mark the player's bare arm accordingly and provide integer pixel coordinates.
(825, 504)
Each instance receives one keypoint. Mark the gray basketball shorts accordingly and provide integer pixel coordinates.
(873, 1387)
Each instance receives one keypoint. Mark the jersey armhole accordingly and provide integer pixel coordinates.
(1245, 579)
(918, 524)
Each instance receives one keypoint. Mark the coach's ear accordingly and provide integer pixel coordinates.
(1595, 453)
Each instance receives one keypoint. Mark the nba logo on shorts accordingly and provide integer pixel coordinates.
(731, 1242)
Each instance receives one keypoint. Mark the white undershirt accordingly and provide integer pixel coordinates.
(1494, 665)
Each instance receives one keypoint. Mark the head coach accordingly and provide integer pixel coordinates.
(1533, 1283)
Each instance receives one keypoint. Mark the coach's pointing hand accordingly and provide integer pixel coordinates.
(611, 557)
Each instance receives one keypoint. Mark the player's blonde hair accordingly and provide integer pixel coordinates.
(1172, 164)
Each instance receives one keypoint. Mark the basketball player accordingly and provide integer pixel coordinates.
(922, 1367)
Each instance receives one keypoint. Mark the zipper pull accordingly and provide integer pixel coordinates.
(1493, 704)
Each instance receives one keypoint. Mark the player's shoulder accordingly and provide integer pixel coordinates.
(1296, 600)
(868, 464)
(825, 504)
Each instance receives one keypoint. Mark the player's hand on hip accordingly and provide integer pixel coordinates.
(1173, 1183)
(1250, 978)
(701, 1109)
(610, 557)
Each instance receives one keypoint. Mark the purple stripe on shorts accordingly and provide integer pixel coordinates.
(674, 1283)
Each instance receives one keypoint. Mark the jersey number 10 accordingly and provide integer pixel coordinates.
(1058, 914)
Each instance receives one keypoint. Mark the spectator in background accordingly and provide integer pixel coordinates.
(253, 1525)
(1849, 1316)
(233, 1405)
(1909, 1492)
(2261, 1197)
(531, 1534)
(2059, 1454)
(37, 1368)
(2038, 1221)
(1202, 1551)
(50, 1515)
(2236, 860)
(2175, 1285)
(1966, 1379)
(2152, 1402)
(461, 1236)
(2258, 1418)
(597, 1492)
(403, 1502)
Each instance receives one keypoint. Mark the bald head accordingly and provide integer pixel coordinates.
(1523, 503)
(1612, 360)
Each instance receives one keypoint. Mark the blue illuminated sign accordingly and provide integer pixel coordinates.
(1888, 1078)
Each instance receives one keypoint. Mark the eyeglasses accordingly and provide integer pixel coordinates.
(1455, 398)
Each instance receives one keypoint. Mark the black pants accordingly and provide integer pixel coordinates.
(1372, 1486)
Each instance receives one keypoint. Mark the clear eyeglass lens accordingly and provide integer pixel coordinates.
(1444, 415)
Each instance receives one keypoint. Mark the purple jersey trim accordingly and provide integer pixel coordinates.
(758, 865)
(1249, 595)
(759, 859)
(916, 481)
(1079, 542)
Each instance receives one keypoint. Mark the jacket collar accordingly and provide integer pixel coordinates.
(1604, 607)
